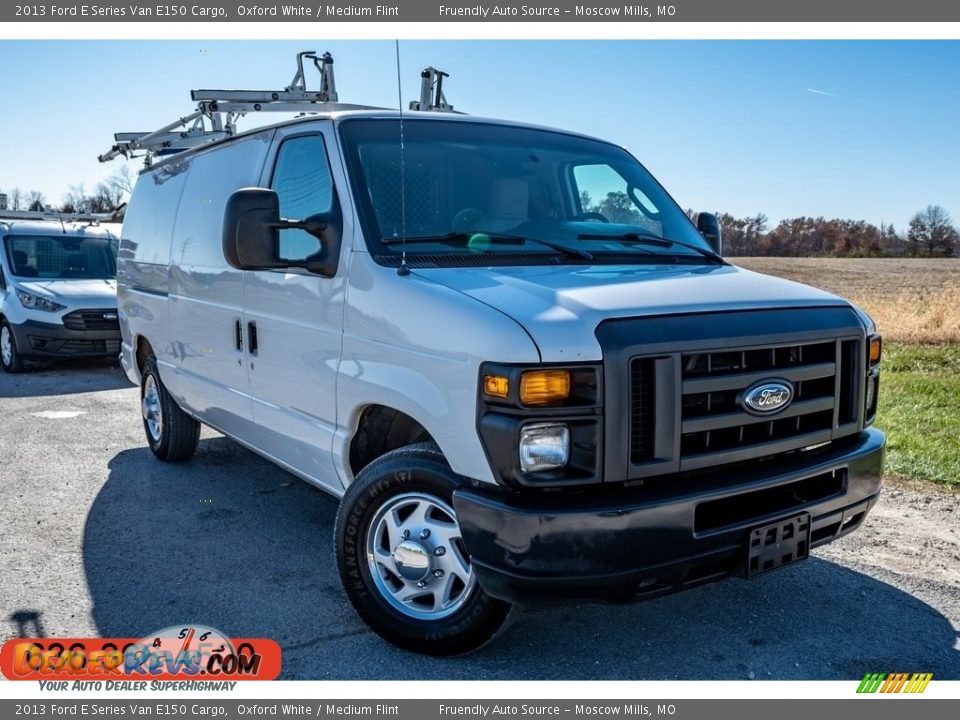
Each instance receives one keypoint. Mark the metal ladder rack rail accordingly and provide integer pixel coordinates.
(92, 218)
(217, 111)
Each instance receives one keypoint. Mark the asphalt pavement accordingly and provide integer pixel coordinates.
(100, 538)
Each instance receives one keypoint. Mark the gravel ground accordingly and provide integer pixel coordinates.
(99, 538)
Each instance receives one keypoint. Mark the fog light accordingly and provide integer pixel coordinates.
(545, 446)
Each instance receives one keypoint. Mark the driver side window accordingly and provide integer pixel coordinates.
(604, 196)
(302, 181)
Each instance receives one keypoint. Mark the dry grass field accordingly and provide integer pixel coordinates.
(912, 301)
(916, 305)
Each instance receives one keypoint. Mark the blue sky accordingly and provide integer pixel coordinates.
(858, 129)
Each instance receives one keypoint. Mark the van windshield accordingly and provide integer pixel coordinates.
(477, 188)
(61, 257)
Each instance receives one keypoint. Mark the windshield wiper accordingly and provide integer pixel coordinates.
(464, 238)
(646, 238)
(453, 238)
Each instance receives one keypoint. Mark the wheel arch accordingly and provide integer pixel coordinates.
(378, 429)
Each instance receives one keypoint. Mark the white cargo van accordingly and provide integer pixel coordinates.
(58, 290)
(524, 371)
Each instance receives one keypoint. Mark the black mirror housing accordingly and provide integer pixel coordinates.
(709, 227)
(251, 234)
(250, 229)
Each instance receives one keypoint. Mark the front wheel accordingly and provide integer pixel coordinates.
(9, 355)
(402, 559)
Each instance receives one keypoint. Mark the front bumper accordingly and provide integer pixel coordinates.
(52, 340)
(619, 543)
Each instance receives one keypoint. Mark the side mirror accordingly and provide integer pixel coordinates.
(709, 227)
(251, 234)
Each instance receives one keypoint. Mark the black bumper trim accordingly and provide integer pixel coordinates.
(636, 543)
(51, 340)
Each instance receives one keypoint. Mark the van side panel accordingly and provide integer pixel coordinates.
(143, 263)
(206, 294)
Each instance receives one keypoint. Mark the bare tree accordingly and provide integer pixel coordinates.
(35, 201)
(75, 200)
(932, 233)
(121, 182)
(16, 198)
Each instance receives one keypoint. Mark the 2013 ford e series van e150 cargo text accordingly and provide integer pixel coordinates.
(523, 369)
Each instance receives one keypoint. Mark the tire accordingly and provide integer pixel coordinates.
(9, 354)
(413, 477)
(172, 434)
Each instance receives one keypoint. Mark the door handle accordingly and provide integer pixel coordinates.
(252, 345)
(238, 335)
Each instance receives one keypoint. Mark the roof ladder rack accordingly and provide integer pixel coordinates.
(91, 218)
(432, 98)
(217, 112)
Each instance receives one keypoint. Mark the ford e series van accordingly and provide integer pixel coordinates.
(522, 369)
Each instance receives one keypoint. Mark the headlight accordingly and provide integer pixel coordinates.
(35, 302)
(544, 446)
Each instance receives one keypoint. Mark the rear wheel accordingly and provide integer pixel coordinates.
(172, 434)
(402, 559)
(9, 355)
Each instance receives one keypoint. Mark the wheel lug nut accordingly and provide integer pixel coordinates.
(422, 584)
(424, 534)
(406, 535)
(440, 551)
(438, 573)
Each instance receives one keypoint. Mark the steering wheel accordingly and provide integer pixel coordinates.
(591, 216)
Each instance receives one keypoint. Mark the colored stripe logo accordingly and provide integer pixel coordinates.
(894, 682)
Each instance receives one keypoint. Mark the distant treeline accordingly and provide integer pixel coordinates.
(931, 233)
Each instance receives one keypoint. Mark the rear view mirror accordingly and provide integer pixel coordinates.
(251, 234)
(709, 227)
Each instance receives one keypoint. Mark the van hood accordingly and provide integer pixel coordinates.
(102, 293)
(560, 306)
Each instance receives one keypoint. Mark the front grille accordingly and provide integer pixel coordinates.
(92, 320)
(75, 347)
(714, 427)
(642, 410)
(750, 507)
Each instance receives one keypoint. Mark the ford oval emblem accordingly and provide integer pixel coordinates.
(767, 397)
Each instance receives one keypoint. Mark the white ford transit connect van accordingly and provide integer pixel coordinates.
(524, 371)
(58, 291)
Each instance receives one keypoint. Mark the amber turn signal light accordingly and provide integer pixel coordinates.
(541, 387)
(496, 386)
(876, 349)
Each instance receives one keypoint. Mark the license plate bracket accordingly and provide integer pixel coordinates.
(777, 545)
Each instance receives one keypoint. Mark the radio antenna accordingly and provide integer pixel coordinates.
(403, 269)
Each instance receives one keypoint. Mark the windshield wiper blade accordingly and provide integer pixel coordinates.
(632, 236)
(463, 237)
(453, 238)
(645, 238)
